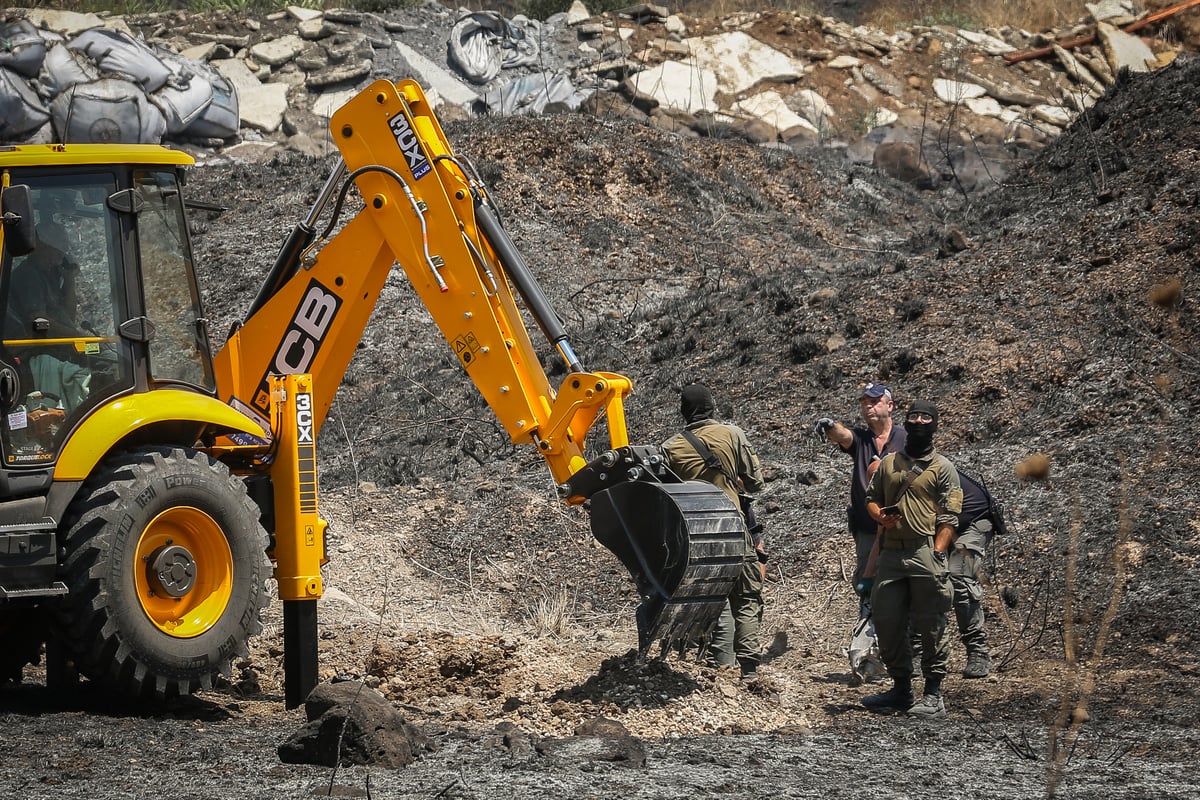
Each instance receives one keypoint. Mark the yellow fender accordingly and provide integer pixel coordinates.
(109, 424)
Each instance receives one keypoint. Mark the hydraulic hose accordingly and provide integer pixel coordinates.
(527, 286)
(300, 238)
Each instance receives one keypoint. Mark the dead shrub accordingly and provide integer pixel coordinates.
(1166, 294)
(1034, 468)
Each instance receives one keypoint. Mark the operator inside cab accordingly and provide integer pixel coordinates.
(43, 304)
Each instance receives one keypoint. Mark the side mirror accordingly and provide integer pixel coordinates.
(16, 213)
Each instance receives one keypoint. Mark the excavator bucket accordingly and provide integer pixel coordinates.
(683, 543)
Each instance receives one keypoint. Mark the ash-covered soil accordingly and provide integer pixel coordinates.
(1050, 316)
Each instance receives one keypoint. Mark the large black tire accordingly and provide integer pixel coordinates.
(166, 566)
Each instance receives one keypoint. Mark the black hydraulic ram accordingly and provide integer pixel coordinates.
(528, 287)
(288, 260)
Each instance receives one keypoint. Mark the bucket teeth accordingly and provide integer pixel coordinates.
(684, 545)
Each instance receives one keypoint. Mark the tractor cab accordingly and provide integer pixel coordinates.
(98, 297)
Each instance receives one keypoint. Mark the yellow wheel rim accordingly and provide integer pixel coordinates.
(184, 572)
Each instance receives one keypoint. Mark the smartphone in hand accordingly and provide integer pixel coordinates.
(888, 511)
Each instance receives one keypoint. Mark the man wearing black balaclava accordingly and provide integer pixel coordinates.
(916, 498)
(735, 638)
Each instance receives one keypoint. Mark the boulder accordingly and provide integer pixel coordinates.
(1124, 50)
(277, 52)
(260, 105)
(349, 723)
(739, 61)
(955, 92)
(675, 84)
(771, 109)
(904, 162)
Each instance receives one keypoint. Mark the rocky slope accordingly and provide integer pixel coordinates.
(935, 106)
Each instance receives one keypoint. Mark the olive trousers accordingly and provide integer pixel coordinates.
(735, 636)
(912, 590)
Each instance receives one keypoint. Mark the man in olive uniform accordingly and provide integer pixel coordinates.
(916, 498)
(736, 636)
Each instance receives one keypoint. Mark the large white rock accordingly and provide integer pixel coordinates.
(277, 52)
(68, 23)
(813, 107)
(199, 52)
(1011, 115)
(1055, 115)
(739, 61)
(303, 14)
(988, 44)
(260, 105)
(880, 117)
(1124, 49)
(431, 75)
(675, 84)
(984, 106)
(954, 92)
(323, 105)
(1110, 10)
(771, 109)
(578, 13)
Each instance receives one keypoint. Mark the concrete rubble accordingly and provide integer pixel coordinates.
(773, 78)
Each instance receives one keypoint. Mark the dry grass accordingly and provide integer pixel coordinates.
(550, 614)
(714, 9)
(1167, 294)
(1035, 467)
(1030, 15)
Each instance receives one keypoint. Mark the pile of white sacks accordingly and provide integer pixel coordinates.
(105, 86)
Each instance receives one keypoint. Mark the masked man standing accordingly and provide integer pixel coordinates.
(916, 498)
(736, 469)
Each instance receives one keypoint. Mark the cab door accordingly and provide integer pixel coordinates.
(178, 347)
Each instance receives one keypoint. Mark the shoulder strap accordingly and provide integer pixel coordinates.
(710, 458)
(914, 471)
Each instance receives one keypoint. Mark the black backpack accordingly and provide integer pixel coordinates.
(978, 503)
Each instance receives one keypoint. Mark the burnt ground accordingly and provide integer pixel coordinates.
(1051, 316)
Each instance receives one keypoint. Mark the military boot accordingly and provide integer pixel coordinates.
(979, 664)
(898, 698)
(931, 707)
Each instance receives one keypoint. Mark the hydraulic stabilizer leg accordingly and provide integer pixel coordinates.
(299, 532)
(299, 650)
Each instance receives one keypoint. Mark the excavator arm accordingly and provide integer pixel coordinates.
(426, 213)
(424, 208)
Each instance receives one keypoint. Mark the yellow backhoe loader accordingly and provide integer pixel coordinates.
(148, 487)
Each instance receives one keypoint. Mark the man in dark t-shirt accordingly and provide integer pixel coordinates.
(867, 446)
